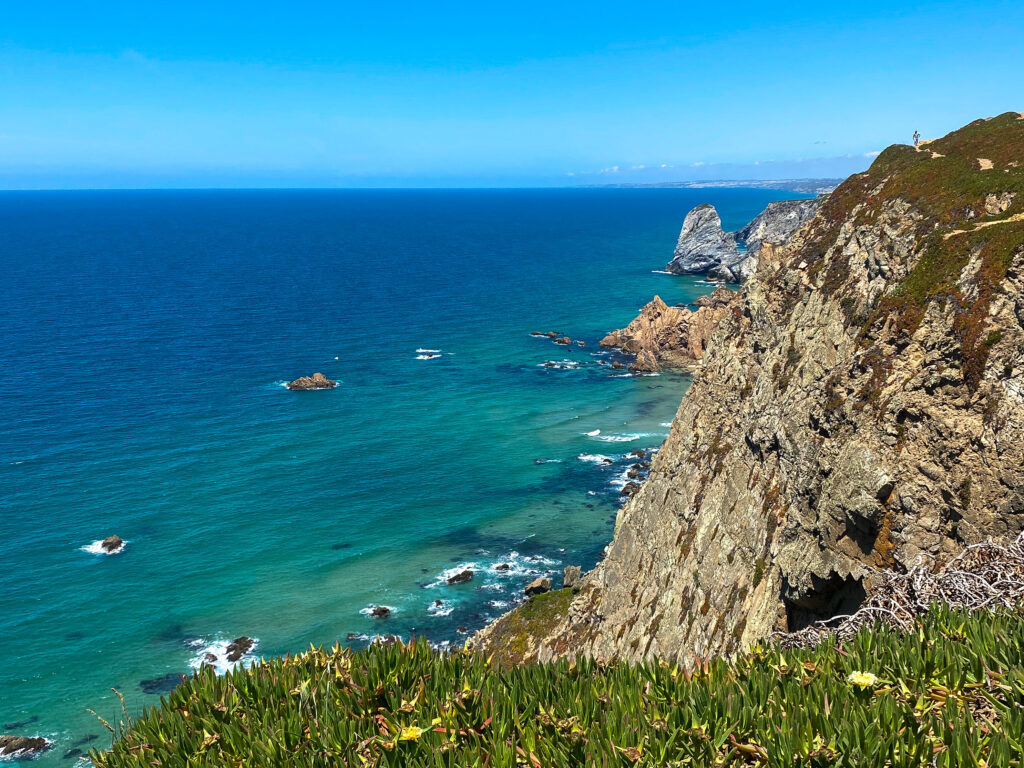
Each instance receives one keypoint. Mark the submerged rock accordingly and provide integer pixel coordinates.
(162, 684)
(538, 586)
(461, 577)
(563, 340)
(316, 381)
(22, 746)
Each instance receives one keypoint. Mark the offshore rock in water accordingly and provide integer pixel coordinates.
(112, 544)
(240, 646)
(22, 746)
(461, 577)
(380, 612)
(316, 381)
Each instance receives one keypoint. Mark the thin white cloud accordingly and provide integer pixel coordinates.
(872, 154)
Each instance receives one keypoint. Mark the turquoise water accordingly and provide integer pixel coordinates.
(146, 339)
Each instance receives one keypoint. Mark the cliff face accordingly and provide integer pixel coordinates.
(862, 406)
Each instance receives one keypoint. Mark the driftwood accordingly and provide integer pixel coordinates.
(984, 575)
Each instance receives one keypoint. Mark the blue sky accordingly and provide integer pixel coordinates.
(186, 94)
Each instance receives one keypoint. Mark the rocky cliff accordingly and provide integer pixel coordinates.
(863, 406)
(703, 247)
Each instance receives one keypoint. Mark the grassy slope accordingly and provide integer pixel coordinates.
(951, 693)
(945, 182)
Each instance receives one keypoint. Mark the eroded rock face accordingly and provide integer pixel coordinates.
(732, 257)
(316, 381)
(863, 406)
(671, 337)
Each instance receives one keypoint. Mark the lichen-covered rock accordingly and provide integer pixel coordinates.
(863, 406)
(316, 381)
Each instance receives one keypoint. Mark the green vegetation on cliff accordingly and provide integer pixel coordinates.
(968, 187)
(949, 694)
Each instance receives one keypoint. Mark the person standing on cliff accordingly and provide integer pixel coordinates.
(917, 138)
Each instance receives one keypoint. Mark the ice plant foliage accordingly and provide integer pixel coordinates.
(950, 692)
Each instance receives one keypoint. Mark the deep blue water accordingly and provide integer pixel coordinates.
(146, 336)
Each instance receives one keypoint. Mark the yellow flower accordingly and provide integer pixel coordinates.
(410, 733)
(863, 679)
(435, 722)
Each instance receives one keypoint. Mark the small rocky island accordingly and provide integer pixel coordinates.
(112, 544)
(316, 381)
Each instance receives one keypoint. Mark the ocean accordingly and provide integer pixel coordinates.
(147, 337)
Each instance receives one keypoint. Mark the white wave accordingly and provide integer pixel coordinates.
(595, 433)
(620, 480)
(548, 461)
(427, 357)
(661, 272)
(422, 350)
(595, 458)
(219, 648)
(627, 438)
(449, 572)
(442, 609)
(665, 424)
(620, 376)
(497, 603)
(96, 548)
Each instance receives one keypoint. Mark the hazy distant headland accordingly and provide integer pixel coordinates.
(803, 186)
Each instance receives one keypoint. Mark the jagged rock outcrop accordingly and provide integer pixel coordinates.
(316, 381)
(863, 406)
(732, 257)
(671, 337)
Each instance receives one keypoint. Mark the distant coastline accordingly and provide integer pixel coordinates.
(802, 186)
